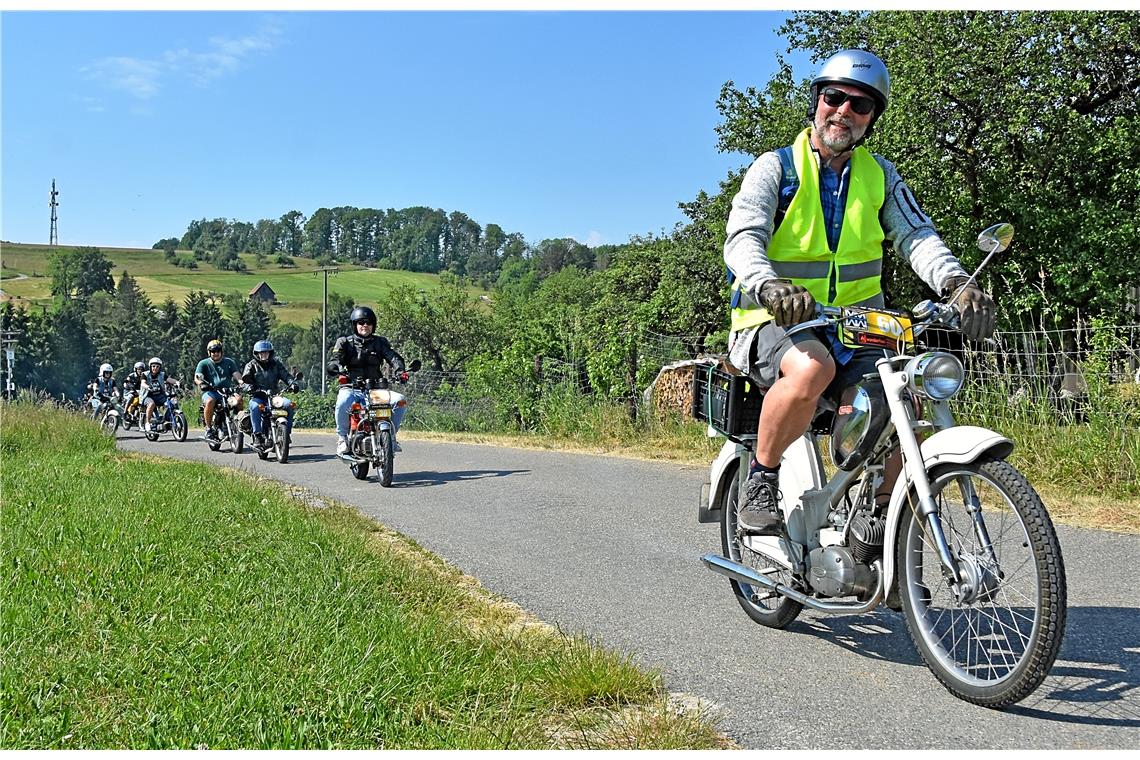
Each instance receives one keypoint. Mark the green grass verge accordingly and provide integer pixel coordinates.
(153, 604)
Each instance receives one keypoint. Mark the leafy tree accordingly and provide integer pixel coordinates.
(291, 230)
(79, 272)
(445, 324)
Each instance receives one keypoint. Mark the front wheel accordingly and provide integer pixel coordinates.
(109, 424)
(388, 455)
(282, 431)
(763, 606)
(179, 427)
(992, 640)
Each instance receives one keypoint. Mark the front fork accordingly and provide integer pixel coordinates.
(905, 425)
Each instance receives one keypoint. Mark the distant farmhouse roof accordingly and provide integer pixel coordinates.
(263, 292)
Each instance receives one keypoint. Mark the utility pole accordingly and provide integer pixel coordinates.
(324, 325)
(53, 236)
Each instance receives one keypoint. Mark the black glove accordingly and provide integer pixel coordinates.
(333, 368)
(787, 303)
(975, 308)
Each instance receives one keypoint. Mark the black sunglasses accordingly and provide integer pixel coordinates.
(860, 104)
(364, 322)
(214, 351)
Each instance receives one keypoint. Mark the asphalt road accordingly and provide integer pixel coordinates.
(610, 548)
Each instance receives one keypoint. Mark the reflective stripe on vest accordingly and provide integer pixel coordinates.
(799, 251)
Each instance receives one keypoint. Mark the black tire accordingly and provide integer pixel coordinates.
(179, 427)
(109, 424)
(150, 434)
(282, 441)
(237, 441)
(389, 456)
(996, 649)
(359, 470)
(764, 607)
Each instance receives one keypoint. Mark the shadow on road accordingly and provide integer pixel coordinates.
(424, 479)
(1094, 681)
(315, 457)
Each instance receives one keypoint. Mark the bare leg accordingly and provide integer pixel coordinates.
(789, 405)
(208, 411)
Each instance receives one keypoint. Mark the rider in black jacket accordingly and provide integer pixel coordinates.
(361, 355)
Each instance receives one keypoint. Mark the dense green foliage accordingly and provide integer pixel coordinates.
(1022, 117)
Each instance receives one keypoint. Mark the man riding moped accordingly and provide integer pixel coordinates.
(263, 373)
(360, 355)
(808, 226)
(213, 374)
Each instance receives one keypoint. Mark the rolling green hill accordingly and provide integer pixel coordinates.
(299, 288)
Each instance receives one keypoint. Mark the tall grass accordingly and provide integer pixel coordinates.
(159, 604)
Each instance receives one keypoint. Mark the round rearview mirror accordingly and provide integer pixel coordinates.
(415, 366)
(996, 238)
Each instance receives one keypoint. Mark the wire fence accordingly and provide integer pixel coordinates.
(1051, 375)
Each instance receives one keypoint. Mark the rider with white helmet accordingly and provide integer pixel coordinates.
(809, 225)
(153, 389)
(103, 388)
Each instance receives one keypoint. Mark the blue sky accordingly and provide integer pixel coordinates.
(589, 125)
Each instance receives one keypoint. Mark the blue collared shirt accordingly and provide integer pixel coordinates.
(833, 199)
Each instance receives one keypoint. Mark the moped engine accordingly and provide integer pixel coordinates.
(361, 445)
(835, 572)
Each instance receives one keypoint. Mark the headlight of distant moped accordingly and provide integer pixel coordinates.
(936, 374)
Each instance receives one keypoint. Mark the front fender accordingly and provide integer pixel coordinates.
(957, 445)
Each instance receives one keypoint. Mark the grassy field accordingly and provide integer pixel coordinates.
(154, 604)
(300, 288)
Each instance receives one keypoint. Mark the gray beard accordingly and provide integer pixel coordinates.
(837, 147)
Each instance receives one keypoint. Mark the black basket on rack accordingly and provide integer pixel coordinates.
(730, 404)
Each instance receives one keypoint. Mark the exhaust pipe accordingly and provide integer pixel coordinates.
(745, 574)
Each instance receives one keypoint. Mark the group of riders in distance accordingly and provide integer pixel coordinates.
(357, 360)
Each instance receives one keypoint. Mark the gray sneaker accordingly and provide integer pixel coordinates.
(760, 513)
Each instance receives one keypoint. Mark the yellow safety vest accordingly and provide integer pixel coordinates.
(799, 251)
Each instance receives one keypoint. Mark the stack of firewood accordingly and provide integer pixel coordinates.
(672, 389)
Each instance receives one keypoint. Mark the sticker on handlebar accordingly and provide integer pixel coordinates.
(875, 329)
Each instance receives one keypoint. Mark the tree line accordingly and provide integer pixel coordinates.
(994, 116)
(416, 239)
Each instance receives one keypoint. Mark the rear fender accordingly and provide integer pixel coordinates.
(961, 444)
(721, 473)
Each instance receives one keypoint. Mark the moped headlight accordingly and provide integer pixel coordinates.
(936, 374)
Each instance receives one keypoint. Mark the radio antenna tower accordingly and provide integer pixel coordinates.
(53, 239)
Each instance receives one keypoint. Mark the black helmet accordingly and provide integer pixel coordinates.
(362, 314)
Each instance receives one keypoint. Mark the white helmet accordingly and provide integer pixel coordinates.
(155, 360)
(106, 368)
(860, 68)
(139, 365)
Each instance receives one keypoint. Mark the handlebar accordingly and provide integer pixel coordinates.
(924, 315)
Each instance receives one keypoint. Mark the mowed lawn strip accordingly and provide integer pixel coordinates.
(158, 604)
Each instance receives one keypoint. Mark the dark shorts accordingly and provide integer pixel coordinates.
(772, 342)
